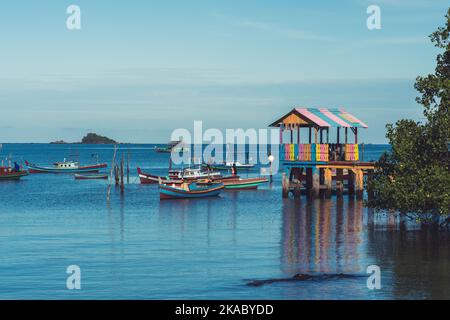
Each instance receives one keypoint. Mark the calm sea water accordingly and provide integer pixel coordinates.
(139, 247)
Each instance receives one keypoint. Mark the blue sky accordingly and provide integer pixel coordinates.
(139, 69)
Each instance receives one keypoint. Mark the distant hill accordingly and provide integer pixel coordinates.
(93, 138)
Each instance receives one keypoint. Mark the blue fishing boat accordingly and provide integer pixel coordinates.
(188, 190)
(65, 167)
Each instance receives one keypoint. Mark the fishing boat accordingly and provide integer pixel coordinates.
(194, 174)
(187, 190)
(65, 167)
(147, 178)
(91, 176)
(191, 174)
(9, 173)
(172, 146)
(237, 183)
(244, 183)
(229, 166)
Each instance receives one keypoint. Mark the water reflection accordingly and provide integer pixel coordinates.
(417, 258)
(322, 236)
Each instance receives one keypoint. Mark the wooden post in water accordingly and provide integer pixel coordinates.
(339, 182)
(117, 175)
(359, 183)
(108, 195)
(285, 185)
(122, 165)
(128, 167)
(351, 183)
(328, 182)
(297, 173)
(309, 182)
(315, 182)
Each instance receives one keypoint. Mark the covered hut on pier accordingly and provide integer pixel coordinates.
(313, 160)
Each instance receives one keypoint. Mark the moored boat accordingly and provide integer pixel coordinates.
(237, 183)
(187, 190)
(244, 183)
(65, 167)
(146, 178)
(9, 173)
(91, 176)
(172, 146)
(230, 165)
(177, 176)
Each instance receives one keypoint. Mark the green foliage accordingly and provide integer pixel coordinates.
(414, 177)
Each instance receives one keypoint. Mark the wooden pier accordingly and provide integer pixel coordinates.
(318, 167)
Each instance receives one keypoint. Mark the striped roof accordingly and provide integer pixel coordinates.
(320, 117)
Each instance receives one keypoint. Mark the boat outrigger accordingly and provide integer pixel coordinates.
(65, 167)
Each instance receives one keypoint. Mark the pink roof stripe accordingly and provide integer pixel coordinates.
(313, 117)
(353, 118)
(336, 119)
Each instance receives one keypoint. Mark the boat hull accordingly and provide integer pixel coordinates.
(146, 178)
(170, 192)
(13, 175)
(244, 184)
(224, 167)
(90, 177)
(83, 169)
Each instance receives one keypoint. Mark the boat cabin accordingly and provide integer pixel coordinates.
(66, 165)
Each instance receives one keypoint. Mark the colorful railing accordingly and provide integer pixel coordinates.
(316, 152)
(351, 152)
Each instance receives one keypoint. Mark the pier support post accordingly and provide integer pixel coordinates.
(328, 182)
(309, 182)
(359, 183)
(351, 183)
(297, 177)
(339, 182)
(315, 182)
(285, 185)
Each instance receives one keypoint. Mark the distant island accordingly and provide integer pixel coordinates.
(90, 138)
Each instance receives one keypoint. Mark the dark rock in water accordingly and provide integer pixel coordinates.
(304, 277)
(93, 138)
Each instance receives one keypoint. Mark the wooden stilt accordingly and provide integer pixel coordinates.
(328, 182)
(309, 182)
(285, 185)
(359, 183)
(128, 167)
(339, 182)
(351, 183)
(122, 171)
(315, 183)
